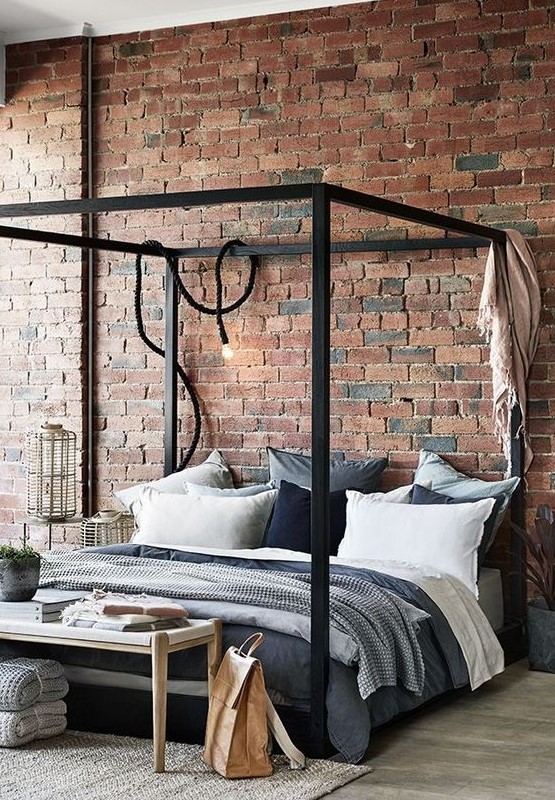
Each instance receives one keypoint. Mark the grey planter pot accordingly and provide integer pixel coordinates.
(19, 580)
(541, 636)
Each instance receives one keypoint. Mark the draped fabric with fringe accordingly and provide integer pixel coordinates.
(509, 316)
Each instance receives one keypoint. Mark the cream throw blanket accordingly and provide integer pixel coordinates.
(509, 315)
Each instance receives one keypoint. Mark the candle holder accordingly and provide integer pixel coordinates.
(51, 473)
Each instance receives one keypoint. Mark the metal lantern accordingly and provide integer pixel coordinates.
(107, 527)
(51, 473)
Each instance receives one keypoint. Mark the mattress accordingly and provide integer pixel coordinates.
(490, 596)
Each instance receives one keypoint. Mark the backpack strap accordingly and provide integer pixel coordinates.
(256, 638)
(296, 758)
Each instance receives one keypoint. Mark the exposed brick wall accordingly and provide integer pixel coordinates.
(443, 105)
(41, 298)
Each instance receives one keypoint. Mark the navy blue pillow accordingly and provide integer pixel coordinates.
(290, 523)
(426, 497)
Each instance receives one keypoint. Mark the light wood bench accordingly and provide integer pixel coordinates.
(159, 644)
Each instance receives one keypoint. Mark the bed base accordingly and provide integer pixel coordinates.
(128, 712)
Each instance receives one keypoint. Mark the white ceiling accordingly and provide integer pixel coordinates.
(32, 20)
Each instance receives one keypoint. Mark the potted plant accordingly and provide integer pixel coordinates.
(19, 572)
(540, 570)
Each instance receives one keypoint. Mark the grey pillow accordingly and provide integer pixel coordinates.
(444, 478)
(364, 475)
(212, 472)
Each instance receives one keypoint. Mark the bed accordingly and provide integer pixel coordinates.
(407, 626)
(318, 706)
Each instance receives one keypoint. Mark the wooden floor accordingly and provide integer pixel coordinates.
(497, 743)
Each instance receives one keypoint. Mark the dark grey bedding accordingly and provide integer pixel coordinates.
(286, 658)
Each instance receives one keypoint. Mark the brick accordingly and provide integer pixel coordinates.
(369, 391)
(383, 304)
(344, 73)
(412, 426)
(385, 337)
(477, 162)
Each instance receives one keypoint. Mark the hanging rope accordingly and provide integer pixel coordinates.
(218, 311)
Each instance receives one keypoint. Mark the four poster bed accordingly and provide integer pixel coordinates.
(321, 699)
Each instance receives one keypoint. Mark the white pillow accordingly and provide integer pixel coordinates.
(242, 491)
(196, 521)
(400, 495)
(444, 537)
(212, 472)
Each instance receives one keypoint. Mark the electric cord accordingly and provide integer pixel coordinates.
(218, 311)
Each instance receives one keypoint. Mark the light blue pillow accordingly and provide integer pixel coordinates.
(444, 478)
(243, 491)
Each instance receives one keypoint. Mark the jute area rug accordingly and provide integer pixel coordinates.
(93, 766)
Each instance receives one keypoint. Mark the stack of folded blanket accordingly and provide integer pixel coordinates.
(31, 705)
(125, 612)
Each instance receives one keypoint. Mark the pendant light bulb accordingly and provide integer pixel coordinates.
(227, 352)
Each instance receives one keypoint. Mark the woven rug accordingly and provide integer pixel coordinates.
(94, 766)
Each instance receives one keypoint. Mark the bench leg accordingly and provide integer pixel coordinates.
(214, 653)
(159, 697)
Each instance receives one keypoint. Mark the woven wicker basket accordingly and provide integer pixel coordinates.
(107, 527)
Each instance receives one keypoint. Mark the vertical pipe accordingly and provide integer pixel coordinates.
(2, 70)
(170, 375)
(319, 534)
(88, 440)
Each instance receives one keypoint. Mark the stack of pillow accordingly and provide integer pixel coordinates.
(292, 473)
(198, 507)
(445, 520)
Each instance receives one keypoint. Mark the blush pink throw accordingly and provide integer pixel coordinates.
(114, 604)
(509, 315)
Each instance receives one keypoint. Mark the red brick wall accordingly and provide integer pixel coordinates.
(41, 298)
(443, 105)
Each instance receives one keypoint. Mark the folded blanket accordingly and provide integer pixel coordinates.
(119, 623)
(38, 722)
(26, 681)
(52, 719)
(115, 604)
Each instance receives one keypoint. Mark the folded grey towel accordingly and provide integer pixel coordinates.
(52, 719)
(38, 722)
(26, 681)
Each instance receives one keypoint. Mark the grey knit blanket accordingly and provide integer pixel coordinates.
(26, 681)
(37, 722)
(386, 642)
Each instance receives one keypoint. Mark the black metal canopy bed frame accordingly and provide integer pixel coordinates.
(320, 196)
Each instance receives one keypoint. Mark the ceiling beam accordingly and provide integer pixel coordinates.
(107, 19)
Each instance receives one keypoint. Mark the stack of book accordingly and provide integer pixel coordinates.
(46, 606)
